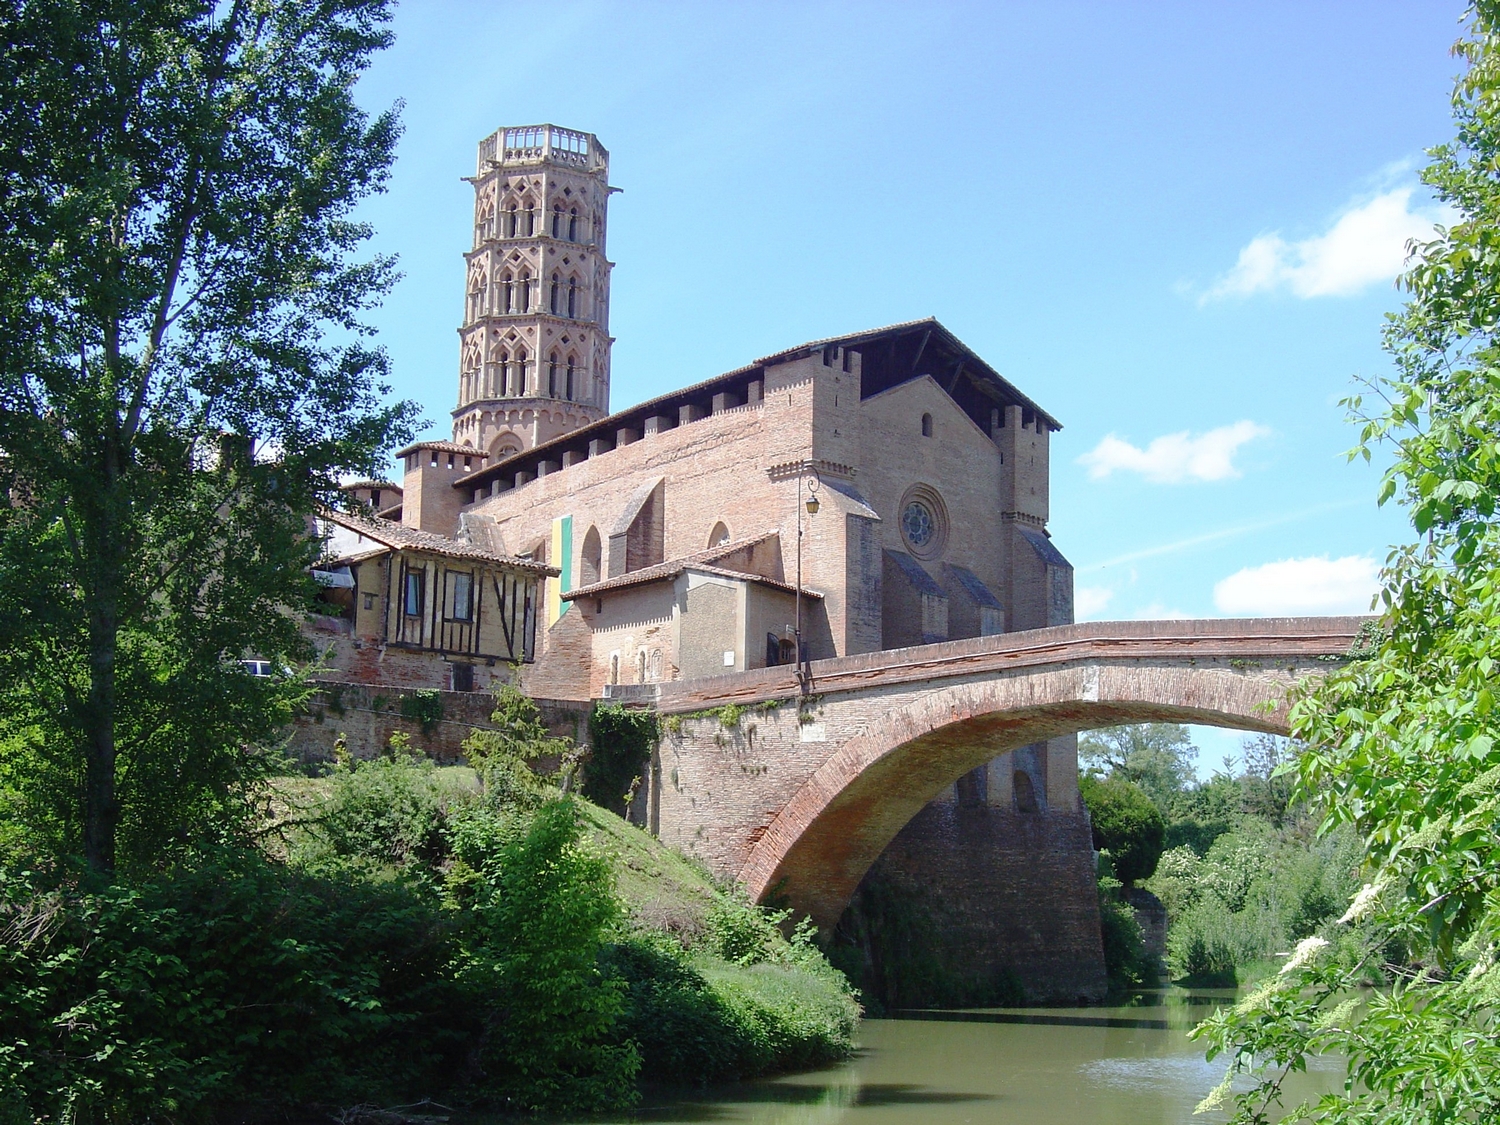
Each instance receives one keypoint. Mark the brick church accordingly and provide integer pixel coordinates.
(869, 491)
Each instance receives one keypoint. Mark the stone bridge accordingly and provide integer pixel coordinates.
(800, 792)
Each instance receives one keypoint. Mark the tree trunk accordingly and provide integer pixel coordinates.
(101, 807)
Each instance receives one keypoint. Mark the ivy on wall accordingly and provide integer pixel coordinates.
(620, 745)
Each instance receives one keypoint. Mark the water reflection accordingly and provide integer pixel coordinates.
(1129, 1065)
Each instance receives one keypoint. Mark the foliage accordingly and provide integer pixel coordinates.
(423, 707)
(541, 914)
(1402, 742)
(1126, 824)
(1155, 757)
(504, 756)
(234, 980)
(177, 182)
(1127, 964)
(620, 745)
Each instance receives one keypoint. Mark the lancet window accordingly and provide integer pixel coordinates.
(552, 375)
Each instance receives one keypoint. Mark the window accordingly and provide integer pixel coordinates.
(529, 217)
(552, 375)
(557, 221)
(412, 599)
(569, 389)
(927, 425)
(640, 666)
(510, 221)
(369, 601)
(572, 297)
(463, 597)
(518, 374)
(556, 302)
(917, 524)
(523, 292)
(573, 225)
(592, 558)
(463, 677)
(720, 534)
(506, 293)
(923, 520)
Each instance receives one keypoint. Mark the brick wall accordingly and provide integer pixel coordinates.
(368, 715)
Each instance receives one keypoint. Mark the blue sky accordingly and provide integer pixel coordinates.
(1174, 225)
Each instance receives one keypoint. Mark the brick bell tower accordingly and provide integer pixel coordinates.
(534, 346)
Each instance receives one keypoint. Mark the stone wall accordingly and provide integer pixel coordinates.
(367, 716)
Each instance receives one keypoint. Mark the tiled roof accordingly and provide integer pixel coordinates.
(442, 447)
(399, 536)
(702, 562)
(383, 485)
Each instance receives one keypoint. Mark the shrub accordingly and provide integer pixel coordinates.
(238, 980)
(1126, 962)
(540, 916)
(1126, 824)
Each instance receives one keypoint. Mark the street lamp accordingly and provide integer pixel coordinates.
(804, 666)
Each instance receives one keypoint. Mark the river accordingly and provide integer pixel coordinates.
(1041, 1066)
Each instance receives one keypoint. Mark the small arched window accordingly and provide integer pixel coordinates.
(927, 425)
(523, 292)
(528, 219)
(569, 392)
(504, 372)
(557, 221)
(720, 534)
(640, 666)
(506, 292)
(552, 375)
(573, 225)
(556, 304)
(510, 221)
(572, 297)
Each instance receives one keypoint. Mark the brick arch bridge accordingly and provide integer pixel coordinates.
(802, 798)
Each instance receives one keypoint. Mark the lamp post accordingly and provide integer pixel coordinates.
(804, 666)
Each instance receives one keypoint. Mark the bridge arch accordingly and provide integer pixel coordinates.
(823, 841)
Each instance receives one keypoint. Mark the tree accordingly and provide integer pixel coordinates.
(1158, 757)
(1126, 824)
(1403, 742)
(184, 374)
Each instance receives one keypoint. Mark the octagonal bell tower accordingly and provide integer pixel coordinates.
(534, 345)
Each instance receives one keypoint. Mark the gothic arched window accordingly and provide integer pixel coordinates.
(573, 225)
(504, 373)
(505, 292)
(571, 364)
(528, 218)
(927, 425)
(510, 221)
(592, 558)
(523, 292)
(572, 297)
(557, 220)
(556, 295)
(518, 373)
(552, 375)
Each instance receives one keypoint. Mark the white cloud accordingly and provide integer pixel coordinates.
(1298, 586)
(1174, 458)
(1090, 601)
(1366, 244)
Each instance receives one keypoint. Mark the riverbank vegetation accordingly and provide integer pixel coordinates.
(401, 931)
(1237, 863)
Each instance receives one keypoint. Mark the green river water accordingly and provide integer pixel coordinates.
(1041, 1066)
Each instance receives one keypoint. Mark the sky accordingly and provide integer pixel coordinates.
(1174, 225)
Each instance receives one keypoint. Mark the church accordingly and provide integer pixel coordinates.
(863, 492)
(870, 491)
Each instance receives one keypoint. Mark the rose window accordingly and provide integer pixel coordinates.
(918, 525)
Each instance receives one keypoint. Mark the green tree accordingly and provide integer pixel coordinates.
(1157, 757)
(1402, 741)
(1126, 824)
(184, 374)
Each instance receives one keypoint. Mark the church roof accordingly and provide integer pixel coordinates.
(889, 356)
